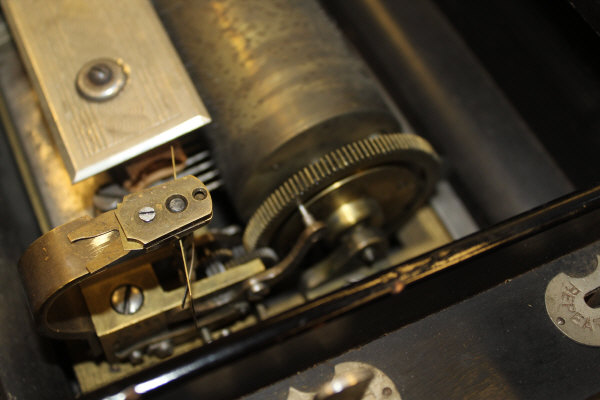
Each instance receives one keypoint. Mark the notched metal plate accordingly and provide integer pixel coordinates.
(352, 380)
(157, 104)
(194, 212)
(568, 304)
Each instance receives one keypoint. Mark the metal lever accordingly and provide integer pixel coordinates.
(314, 230)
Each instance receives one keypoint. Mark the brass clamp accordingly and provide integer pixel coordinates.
(56, 263)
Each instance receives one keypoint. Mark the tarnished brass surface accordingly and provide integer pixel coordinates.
(176, 222)
(140, 234)
(300, 113)
(160, 307)
(157, 103)
(92, 375)
(393, 173)
(423, 232)
(62, 258)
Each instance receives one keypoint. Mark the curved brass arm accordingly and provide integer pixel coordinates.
(56, 263)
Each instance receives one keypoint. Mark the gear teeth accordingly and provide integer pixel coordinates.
(374, 150)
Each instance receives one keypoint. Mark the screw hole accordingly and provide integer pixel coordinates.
(100, 74)
(560, 321)
(176, 203)
(199, 194)
(592, 298)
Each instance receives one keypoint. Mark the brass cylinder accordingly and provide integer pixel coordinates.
(280, 84)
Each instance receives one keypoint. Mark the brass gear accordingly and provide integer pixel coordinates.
(405, 149)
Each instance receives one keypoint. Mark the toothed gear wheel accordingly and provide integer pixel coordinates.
(405, 150)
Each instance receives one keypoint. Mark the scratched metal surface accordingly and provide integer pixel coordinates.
(500, 344)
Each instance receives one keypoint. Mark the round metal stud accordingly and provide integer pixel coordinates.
(257, 290)
(147, 214)
(127, 299)
(176, 203)
(101, 79)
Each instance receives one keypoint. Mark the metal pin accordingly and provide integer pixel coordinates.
(173, 162)
(189, 284)
(185, 266)
(368, 255)
(307, 217)
(191, 268)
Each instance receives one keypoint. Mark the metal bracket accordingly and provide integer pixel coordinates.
(72, 253)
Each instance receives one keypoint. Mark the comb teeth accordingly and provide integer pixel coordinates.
(372, 151)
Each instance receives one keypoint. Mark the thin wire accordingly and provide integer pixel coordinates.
(191, 268)
(189, 284)
(173, 162)
(185, 266)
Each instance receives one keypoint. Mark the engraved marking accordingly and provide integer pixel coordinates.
(573, 289)
(567, 297)
(577, 318)
(568, 300)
